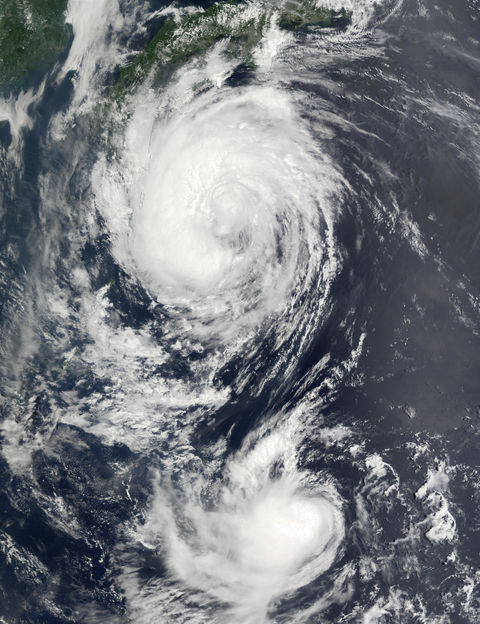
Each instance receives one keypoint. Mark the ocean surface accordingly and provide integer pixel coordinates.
(240, 316)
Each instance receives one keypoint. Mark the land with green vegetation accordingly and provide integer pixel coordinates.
(240, 24)
(176, 42)
(33, 34)
(297, 14)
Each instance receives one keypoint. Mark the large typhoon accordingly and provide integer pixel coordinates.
(190, 262)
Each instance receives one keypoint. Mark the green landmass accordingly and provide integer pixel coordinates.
(33, 34)
(297, 14)
(242, 24)
(175, 43)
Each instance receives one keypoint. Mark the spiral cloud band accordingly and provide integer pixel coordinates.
(227, 213)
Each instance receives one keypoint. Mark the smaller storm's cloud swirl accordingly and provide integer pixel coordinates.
(268, 530)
